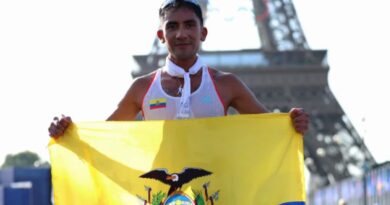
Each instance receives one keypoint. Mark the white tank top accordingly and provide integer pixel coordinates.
(204, 102)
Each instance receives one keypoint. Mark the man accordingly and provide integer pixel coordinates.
(185, 87)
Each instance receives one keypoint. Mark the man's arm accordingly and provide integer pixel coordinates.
(131, 104)
(236, 94)
(127, 109)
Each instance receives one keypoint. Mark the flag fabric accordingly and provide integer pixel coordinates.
(239, 159)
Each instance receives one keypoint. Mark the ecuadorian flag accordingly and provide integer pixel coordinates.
(157, 103)
(233, 160)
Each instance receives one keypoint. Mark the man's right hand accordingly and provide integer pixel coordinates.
(58, 126)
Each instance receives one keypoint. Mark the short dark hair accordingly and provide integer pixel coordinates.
(174, 4)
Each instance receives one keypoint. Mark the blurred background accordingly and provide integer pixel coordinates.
(78, 58)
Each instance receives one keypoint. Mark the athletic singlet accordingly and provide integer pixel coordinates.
(205, 101)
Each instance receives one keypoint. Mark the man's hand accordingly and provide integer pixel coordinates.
(300, 120)
(58, 126)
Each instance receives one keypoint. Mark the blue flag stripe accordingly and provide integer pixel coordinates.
(294, 203)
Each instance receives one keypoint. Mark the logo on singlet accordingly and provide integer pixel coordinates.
(158, 103)
(206, 100)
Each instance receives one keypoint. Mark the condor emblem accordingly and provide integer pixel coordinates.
(175, 196)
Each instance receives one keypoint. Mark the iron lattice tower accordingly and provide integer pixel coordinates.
(286, 73)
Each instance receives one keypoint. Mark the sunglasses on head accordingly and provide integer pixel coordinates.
(168, 2)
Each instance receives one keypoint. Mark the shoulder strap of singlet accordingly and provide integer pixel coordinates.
(152, 81)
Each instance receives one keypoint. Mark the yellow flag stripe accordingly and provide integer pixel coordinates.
(254, 159)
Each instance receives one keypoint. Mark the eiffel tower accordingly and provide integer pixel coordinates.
(283, 73)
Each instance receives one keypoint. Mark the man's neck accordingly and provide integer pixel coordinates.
(186, 64)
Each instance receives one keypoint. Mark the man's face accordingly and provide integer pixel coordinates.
(182, 32)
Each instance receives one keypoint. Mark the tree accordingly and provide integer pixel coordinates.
(23, 159)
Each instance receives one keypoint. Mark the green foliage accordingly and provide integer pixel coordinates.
(199, 198)
(158, 198)
(23, 159)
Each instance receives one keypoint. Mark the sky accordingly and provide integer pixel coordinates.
(74, 57)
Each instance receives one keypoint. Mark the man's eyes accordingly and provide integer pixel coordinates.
(189, 25)
(175, 26)
(171, 26)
